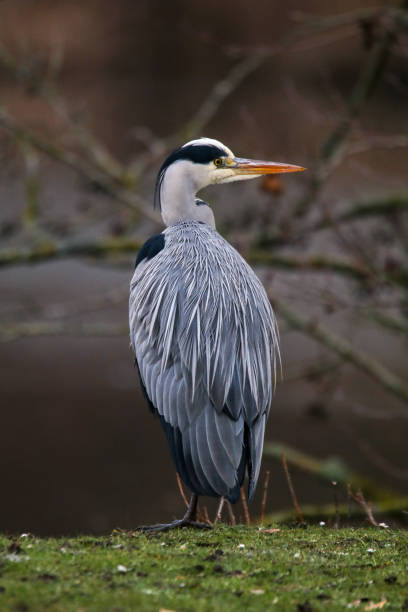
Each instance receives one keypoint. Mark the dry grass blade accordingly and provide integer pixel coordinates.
(359, 498)
(245, 506)
(265, 495)
(206, 516)
(180, 486)
(200, 514)
(219, 510)
(231, 513)
(292, 491)
(336, 506)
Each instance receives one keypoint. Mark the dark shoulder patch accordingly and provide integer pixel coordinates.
(150, 248)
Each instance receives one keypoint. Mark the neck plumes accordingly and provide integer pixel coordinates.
(178, 189)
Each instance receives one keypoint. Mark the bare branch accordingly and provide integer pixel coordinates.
(105, 172)
(392, 507)
(314, 371)
(115, 246)
(370, 74)
(315, 262)
(14, 331)
(389, 204)
(81, 166)
(222, 90)
(397, 325)
(313, 23)
(50, 250)
(208, 109)
(387, 142)
(372, 454)
(329, 469)
(361, 360)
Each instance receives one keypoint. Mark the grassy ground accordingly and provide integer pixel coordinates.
(229, 568)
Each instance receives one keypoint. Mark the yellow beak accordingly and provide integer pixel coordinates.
(255, 166)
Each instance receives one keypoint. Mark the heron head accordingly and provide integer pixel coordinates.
(224, 167)
(206, 161)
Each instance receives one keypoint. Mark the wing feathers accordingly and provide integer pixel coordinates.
(256, 438)
(205, 338)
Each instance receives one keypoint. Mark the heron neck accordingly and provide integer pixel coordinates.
(177, 198)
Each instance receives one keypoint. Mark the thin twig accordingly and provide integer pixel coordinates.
(107, 246)
(231, 512)
(385, 205)
(397, 325)
(53, 250)
(333, 147)
(336, 506)
(328, 469)
(206, 517)
(56, 152)
(245, 506)
(372, 454)
(363, 361)
(115, 246)
(265, 495)
(13, 331)
(180, 486)
(200, 514)
(316, 513)
(328, 22)
(316, 262)
(359, 498)
(222, 90)
(219, 510)
(292, 491)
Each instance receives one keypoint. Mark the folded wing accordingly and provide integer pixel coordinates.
(205, 341)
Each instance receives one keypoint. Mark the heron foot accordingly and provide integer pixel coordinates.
(179, 523)
(188, 520)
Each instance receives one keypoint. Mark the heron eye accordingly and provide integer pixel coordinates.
(218, 162)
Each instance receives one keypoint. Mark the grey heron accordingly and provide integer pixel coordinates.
(203, 331)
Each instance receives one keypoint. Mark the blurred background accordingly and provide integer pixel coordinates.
(93, 96)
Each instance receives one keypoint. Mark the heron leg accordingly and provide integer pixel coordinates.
(191, 513)
(188, 520)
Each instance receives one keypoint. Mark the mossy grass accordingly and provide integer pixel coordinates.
(228, 568)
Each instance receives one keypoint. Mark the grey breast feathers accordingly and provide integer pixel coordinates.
(205, 339)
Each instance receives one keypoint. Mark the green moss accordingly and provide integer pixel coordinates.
(229, 568)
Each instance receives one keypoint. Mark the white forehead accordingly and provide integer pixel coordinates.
(209, 141)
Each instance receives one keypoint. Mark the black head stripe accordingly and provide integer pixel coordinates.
(196, 153)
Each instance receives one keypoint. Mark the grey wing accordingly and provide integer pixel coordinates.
(206, 445)
(204, 351)
(243, 377)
